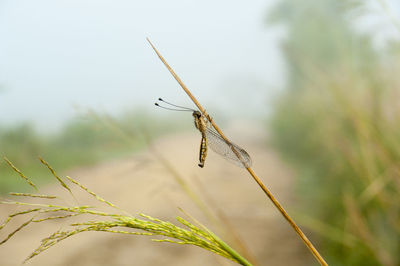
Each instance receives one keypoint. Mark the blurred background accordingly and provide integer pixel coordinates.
(309, 88)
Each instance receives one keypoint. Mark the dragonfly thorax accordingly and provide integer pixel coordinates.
(199, 122)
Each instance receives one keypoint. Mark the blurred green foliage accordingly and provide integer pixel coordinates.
(338, 123)
(82, 141)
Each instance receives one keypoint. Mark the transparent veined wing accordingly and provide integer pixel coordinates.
(220, 146)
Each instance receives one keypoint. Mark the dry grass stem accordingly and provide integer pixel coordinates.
(297, 229)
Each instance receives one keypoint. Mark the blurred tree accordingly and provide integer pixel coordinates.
(320, 34)
(338, 123)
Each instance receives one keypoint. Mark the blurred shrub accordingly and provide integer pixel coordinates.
(82, 141)
(338, 123)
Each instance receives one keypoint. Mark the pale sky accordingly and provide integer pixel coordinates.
(55, 54)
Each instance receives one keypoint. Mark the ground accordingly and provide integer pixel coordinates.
(141, 183)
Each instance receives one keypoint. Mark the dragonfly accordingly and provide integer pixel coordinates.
(211, 138)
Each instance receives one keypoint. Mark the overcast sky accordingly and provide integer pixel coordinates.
(56, 54)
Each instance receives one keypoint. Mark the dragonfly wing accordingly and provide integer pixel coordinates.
(220, 146)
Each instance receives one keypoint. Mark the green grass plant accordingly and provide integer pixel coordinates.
(111, 222)
(338, 125)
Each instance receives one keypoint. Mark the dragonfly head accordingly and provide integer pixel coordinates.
(196, 114)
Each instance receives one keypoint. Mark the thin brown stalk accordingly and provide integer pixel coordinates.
(297, 229)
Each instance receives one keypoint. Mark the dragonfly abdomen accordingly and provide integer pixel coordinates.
(203, 150)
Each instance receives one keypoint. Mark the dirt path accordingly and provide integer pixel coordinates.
(140, 183)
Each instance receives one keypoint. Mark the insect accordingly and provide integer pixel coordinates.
(211, 138)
